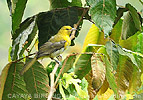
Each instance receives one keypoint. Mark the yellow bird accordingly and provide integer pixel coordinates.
(53, 48)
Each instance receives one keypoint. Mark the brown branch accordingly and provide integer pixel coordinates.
(77, 24)
(61, 70)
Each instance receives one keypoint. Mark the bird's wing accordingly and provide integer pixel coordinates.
(49, 48)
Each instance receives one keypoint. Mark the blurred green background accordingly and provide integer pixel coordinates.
(33, 7)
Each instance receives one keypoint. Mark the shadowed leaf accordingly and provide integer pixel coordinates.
(50, 22)
(37, 81)
(83, 65)
(13, 85)
(64, 3)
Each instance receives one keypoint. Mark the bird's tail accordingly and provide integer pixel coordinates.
(28, 65)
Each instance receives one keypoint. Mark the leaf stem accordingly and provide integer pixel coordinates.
(77, 24)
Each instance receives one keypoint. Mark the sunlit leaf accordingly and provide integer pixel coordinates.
(23, 37)
(94, 37)
(102, 14)
(61, 90)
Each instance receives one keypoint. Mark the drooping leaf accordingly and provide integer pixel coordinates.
(23, 37)
(110, 76)
(113, 53)
(123, 76)
(37, 81)
(16, 8)
(102, 14)
(135, 81)
(50, 22)
(128, 54)
(98, 71)
(64, 3)
(135, 16)
(120, 12)
(128, 27)
(83, 65)
(13, 85)
(103, 88)
(97, 75)
(91, 92)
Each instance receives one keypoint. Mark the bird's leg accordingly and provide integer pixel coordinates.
(57, 61)
(59, 57)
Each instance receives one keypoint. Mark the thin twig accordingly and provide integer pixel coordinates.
(61, 70)
(52, 76)
(23, 57)
(77, 24)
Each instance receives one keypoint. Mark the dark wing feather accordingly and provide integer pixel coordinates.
(48, 48)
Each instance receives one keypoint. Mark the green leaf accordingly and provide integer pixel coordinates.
(37, 81)
(13, 85)
(64, 3)
(50, 22)
(61, 90)
(83, 65)
(69, 64)
(128, 27)
(120, 12)
(16, 8)
(70, 80)
(124, 52)
(113, 53)
(116, 32)
(23, 37)
(123, 75)
(135, 16)
(102, 14)
(110, 76)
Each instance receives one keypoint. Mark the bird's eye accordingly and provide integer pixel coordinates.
(67, 29)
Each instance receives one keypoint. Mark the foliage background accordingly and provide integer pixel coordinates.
(33, 7)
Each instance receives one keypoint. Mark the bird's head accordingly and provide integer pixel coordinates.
(66, 30)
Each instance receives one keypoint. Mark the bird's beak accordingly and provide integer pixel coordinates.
(73, 29)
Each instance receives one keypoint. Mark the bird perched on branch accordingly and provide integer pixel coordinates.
(53, 48)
